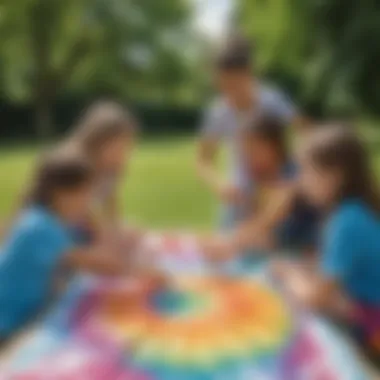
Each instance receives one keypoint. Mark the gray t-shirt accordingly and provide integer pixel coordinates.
(222, 122)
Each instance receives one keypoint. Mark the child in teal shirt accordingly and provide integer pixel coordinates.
(28, 261)
(40, 242)
(351, 250)
(336, 177)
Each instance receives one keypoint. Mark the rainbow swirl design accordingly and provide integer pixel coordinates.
(200, 327)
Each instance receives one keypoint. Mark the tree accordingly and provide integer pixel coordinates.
(52, 47)
(325, 46)
(346, 37)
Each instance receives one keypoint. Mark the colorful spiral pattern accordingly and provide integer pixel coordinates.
(200, 325)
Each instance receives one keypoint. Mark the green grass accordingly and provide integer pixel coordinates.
(161, 189)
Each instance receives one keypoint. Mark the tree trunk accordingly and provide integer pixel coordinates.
(44, 118)
(41, 19)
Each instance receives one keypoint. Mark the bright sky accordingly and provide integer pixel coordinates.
(212, 16)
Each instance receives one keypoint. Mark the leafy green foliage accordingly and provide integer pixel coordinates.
(54, 48)
(327, 48)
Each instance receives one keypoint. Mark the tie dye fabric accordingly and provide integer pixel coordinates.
(206, 326)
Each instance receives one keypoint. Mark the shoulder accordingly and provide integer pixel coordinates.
(275, 100)
(272, 93)
(218, 107)
(214, 119)
(37, 222)
(349, 216)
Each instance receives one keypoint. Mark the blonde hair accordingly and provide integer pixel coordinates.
(102, 121)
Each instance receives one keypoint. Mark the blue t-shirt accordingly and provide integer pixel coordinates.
(29, 258)
(351, 251)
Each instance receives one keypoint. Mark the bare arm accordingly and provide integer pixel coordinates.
(315, 291)
(255, 232)
(258, 230)
(207, 169)
(95, 260)
(206, 163)
(100, 263)
(325, 294)
(302, 123)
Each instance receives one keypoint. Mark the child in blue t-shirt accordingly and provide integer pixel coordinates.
(40, 242)
(336, 177)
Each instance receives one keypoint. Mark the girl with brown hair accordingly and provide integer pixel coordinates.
(276, 215)
(337, 178)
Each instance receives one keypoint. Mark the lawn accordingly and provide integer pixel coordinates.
(161, 189)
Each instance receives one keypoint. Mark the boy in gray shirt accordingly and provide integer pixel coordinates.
(242, 97)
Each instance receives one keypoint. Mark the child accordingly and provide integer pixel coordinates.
(336, 177)
(105, 135)
(275, 215)
(242, 96)
(39, 242)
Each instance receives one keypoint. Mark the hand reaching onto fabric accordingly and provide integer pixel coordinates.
(123, 239)
(311, 291)
(252, 235)
(132, 236)
(97, 260)
(296, 280)
(217, 248)
(128, 292)
(230, 194)
(222, 247)
(143, 264)
(155, 279)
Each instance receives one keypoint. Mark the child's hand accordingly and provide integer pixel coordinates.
(157, 280)
(120, 239)
(123, 294)
(294, 280)
(133, 235)
(230, 194)
(218, 248)
(150, 275)
(253, 236)
(280, 269)
(97, 260)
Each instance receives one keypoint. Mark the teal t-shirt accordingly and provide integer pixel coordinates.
(351, 251)
(29, 258)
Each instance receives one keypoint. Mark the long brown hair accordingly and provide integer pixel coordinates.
(102, 121)
(338, 147)
(271, 129)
